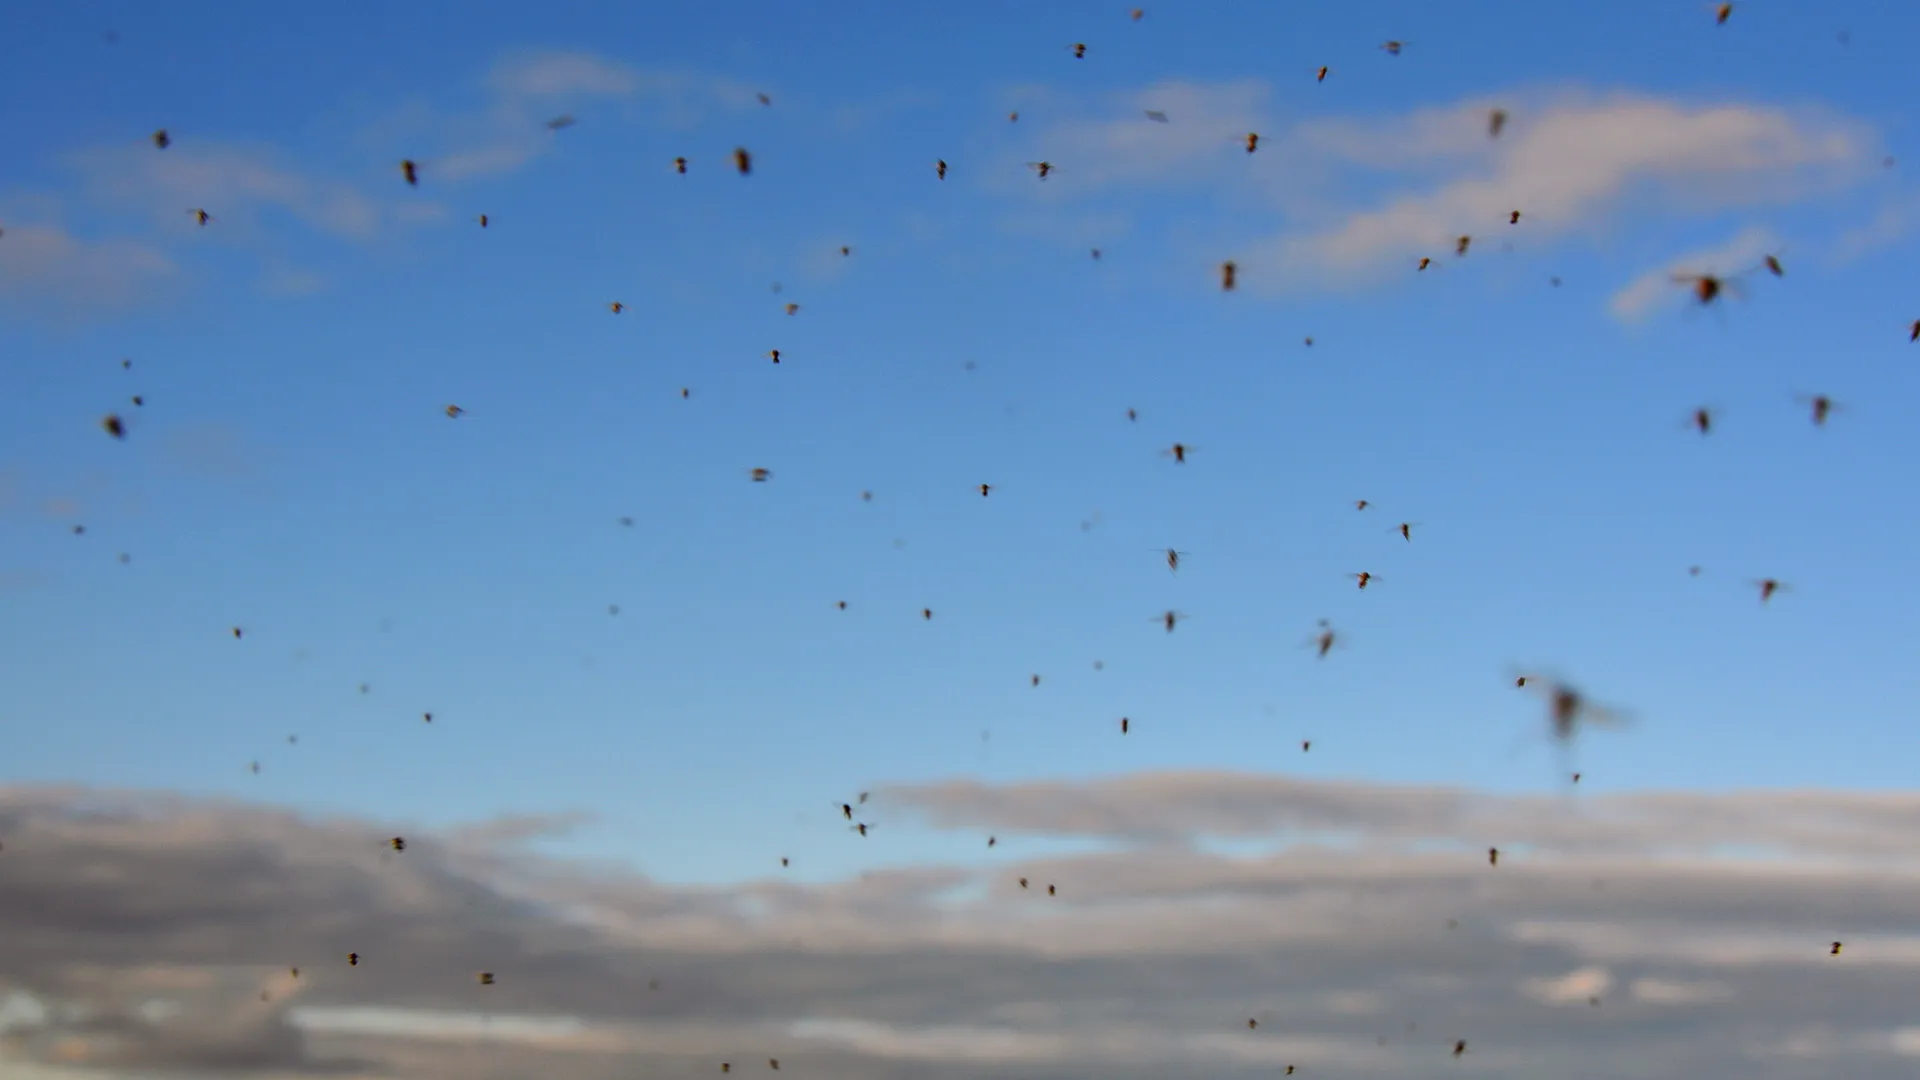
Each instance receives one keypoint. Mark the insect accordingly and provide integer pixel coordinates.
(1228, 271)
(1051, 892)
(1568, 708)
(1169, 618)
(940, 168)
(774, 354)
(353, 959)
(1493, 856)
(1496, 120)
(1460, 245)
(254, 767)
(1722, 13)
(1693, 571)
(1769, 586)
(793, 309)
(680, 165)
(485, 978)
(1822, 405)
(1322, 76)
(1036, 680)
(1706, 288)
(162, 140)
(1156, 116)
(866, 496)
(1126, 725)
(1702, 419)
(1253, 141)
(201, 216)
(862, 828)
(1913, 333)
(399, 843)
(236, 633)
(742, 160)
(1459, 1047)
(1323, 641)
(1835, 950)
(1424, 263)
(760, 475)
(845, 250)
(410, 171)
(1131, 415)
(482, 219)
(1405, 529)
(1363, 577)
(1096, 254)
(984, 488)
(842, 605)
(1393, 48)
(426, 717)
(455, 412)
(926, 613)
(1079, 50)
(1041, 167)
(1023, 883)
(774, 1064)
(1361, 504)
(1173, 559)
(1773, 266)
(1178, 452)
(616, 307)
(1137, 14)
(992, 840)
(784, 862)
(726, 1067)
(564, 120)
(113, 425)
(1306, 745)
(1514, 218)
(764, 99)
(1013, 118)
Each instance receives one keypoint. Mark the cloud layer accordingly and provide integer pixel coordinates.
(1655, 935)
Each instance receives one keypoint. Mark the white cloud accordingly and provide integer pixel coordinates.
(50, 271)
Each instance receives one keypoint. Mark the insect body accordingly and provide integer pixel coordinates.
(161, 140)
(742, 160)
(1322, 77)
(1228, 272)
(1496, 120)
(410, 171)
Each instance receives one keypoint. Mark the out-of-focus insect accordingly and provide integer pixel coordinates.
(1252, 1023)
(1323, 641)
(294, 972)
(201, 216)
(1835, 950)
(1496, 120)
(410, 171)
(113, 425)
(1173, 558)
(1137, 14)
(1253, 141)
(774, 1064)
(1821, 406)
(1036, 680)
(845, 250)
(455, 412)
(940, 168)
(485, 977)
(1309, 342)
(79, 530)
(254, 767)
(1013, 118)
(1126, 725)
(866, 496)
(1576, 778)
(774, 355)
(793, 309)
(1405, 529)
(1769, 586)
(926, 613)
(1361, 504)
(1772, 263)
(353, 959)
(861, 828)
(1706, 288)
(1693, 571)
(236, 633)
(742, 160)
(1023, 883)
(162, 140)
(1132, 415)
(125, 558)
(616, 307)
(784, 862)
(1363, 577)
(1493, 856)
(685, 393)
(759, 475)
(1460, 245)
(1722, 13)
(1041, 167)
(1229, 272)
(1459, 1047)
(1322, 76)
(992, 840)
(764, 99)
(1156, 116)
(1079, 50)
(1424, 263)
(399, 843)
(1393, 48)
(1567, 710)
(626, 522)
(1051, 892)
(1554, 281)
(482, 219)
(1702, 419)
(1096, 254)
(726, 1066)
(1169, 619)
(842, 604)
(426, 717)
(680, 165)
(613, 609)
(126, 365)
(564, 120)
(1178, 452)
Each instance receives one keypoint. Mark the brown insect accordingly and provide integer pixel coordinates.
(1706, 288)
(399, 843)
(1405, 529)
(1169, 618)
(1722, 13)
(1323, 641)
(1835, 950)
(455, 412)
(862, 828)
(1253, 141)
(482, 219)
(680, 165)
(1393, 47)
(1126, 725)
(1821, 404)
(616, 307)
(1131, 415)
(926, 613)
(1913, 333)
(485, 978)
(201, 216)
(161, 140)
(984, 488)
(1322, 76)
(1702, 420)
(774, 354)
(1424, 263)
(1460, 245)
(236, 633)
(1013, 118)
(742, 160)
(426, 717)
(726, 1067)
(845, 250)
(1041, 167)
(764, 99)
(1496, 120)
(1252, 1023)
(1363, 577)
(1361, 504)
(793, 309)
(1173, 559)
(353, 959)
(1769, 586)
(114, 426)
(410, 172)
(1178, 452)
(1023, 883)
(1514, 218)
(1567, 708)
(760, 475)
(1459, 1047)
(940, 168)
(1036, 680)
(1228, 271)
(1051, 892)
(1773, 266)
(1493, 856)
(1137, 14)
(295, 972)
(1079, 50)
(774, 1064)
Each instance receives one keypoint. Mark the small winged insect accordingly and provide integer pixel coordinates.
(1772, 263)
(1364, 578)
(1769, 586)
(1405, 529)
(482, 219)
(1424, 263)
(1169, 619)
(1514, 218)
(455, 412)
(1253, 141)
(1178, 452)
(1568, 710)
(353, 959)
(410, 172)
(1322, 76)
(114, 426)
(1156, 116)
(485, 978)
(1173, 558)
(1229, 274)
(201, 216)
(1043, 168)
(398, 843)
(1392, 48)
(743, 160)
(1079, 50)
(760, 475)
(680, 165)
(1460, 246)
(162, 140)
(1702, 419)
(1323, 641)
(561, 122)
(1496, 121)
(1821, 406)
(764, 99)
(1722, 13)
(940, 168)
(616, 307)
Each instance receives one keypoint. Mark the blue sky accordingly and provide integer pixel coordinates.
(292, 472)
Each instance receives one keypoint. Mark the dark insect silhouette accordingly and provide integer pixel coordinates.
(680, 165)
(1228, 273)
(162, 140)
(410, 171)
(114, 426)
(1722, 13)
(743, 161)
(940, 169)
(1496, 120)
(1322, 76)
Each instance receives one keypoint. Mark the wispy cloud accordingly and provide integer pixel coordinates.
(152, 931)
(50, 271)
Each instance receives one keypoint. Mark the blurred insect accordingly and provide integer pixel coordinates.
(866, 496)
(564, 120)
(784, 862)
(1178, 452)
(455, 412)
(1913, 333)
(1706, 288)
(1156, 116)
(1822, 406)
(759, 475)
(842, 604)
(236, 633)
(680, 165)
(1050, 891)
(410, 171)
(1773, 266)
(399, 843)
(1363, 577)
(940, 168)
(764, 99)
(1702, 419)
(126, 365)
(625, 521)
(1228, 271)
(1835, 950)
(79, 530)
(1036, 680)
(1079, 50)
(1393, 47)
(1493, 856)
(926, 613)
(1769, 586)
(1126, 725)
(1693, 571)
(201, 216)
(862, 828)
(1023, 883)
(1361, 504)
(1131, 415)
(1013, 118)
(1722, 13)
(1323, 641)
(162, 140)
(774, 354)
(1459, 1047)
(1253, 141)
(845, 250)
(1173, 559)
(1041, 167)
(353, 959)
(726, 1067)
(984, 488)
(1169, 619)
(1514, 218)
(254, 767)
(114, 426)
(1496, 120)
(485, 977)
(1096, 254)
(742, 160)
(616, 307)
(774, 1064)
(793, 309)
(294, 972)
(1424, 263)
(992, 840)
(1567, 710)
(1405, 529)
(1554, 281)
(1137, 14)
(426, 717)
(1322, 76)
(482, 219)
(1460, 245)
(1309, 342)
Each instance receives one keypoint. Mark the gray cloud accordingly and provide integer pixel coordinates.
(153, 933)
